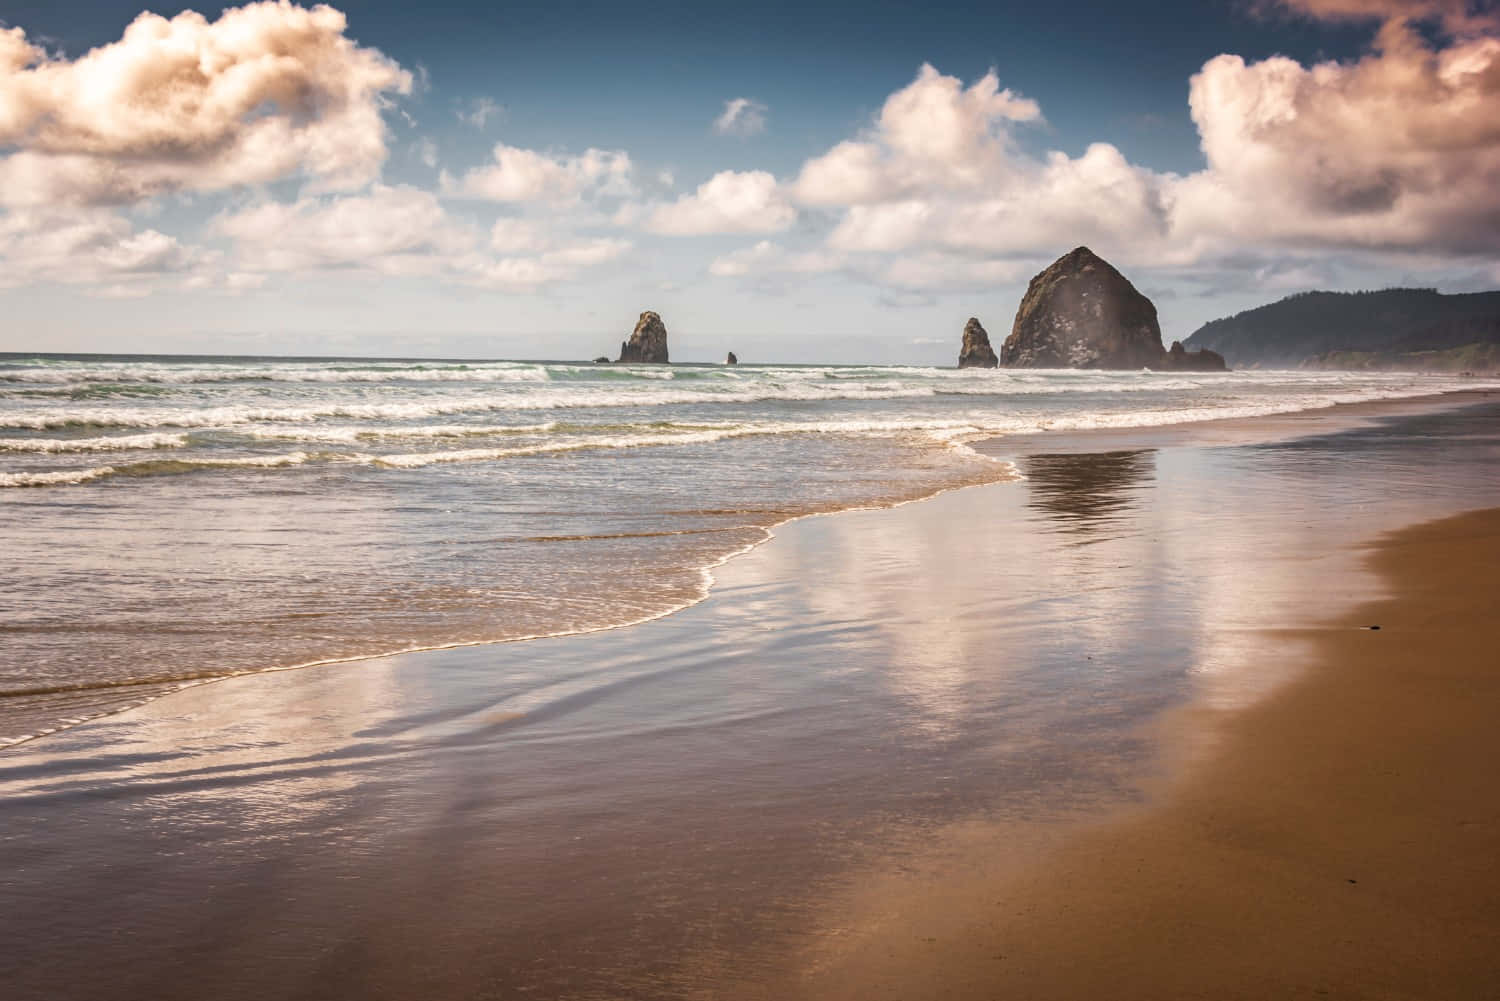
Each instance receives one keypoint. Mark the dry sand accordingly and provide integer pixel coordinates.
(1341, 839)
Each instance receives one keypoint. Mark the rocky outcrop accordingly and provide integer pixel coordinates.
(1180, 359)
(976, 351)
(602, 360)
(1082, 313)
(648, 342)
(731, 359)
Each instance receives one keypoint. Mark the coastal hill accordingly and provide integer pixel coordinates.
(1080, 312)
(1400, 328)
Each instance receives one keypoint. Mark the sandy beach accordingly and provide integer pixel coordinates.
(1113, 730)
(1341, 840)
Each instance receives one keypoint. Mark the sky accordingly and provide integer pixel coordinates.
(831, 182)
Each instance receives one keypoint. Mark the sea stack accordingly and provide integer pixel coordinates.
(648, 342)
(976, 351)
(1082, 313)
(731, 359)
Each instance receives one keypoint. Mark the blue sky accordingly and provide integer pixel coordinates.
(419, 180)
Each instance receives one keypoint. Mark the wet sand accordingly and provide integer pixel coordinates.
(797, 785)
(1341, 840)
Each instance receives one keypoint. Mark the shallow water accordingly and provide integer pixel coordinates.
(171, 519)
(646, 812)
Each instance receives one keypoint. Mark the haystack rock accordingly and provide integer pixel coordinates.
(648, 342)
(731, 359)
(976, 352)
(1082, 313)
(1180, 359)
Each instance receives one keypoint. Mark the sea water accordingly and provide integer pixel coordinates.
(170, 520)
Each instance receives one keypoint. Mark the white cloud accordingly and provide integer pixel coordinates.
(389, 230)
(405, 231)
(95, 247)
(563, 262)
(940, 174)
(269, 90)
(509, 236)
(766, 257)
(478, 112)
(932, 270)
(729, 202)
(1399, 150)
(742, 117)
(932, 133)
(524, 175)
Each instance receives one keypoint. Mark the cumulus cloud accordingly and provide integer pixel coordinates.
(524, 175)
(403, 231)
(389, 230)
(269, 90)
(1397, 150)
(563, 260)
(93, 247)
(766, 257)
(742, 117)
(932, 133)
(939, 173)
(729, 202)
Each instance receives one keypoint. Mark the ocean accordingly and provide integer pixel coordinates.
(173, 520)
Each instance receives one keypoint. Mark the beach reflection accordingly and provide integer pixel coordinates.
(1087, 493)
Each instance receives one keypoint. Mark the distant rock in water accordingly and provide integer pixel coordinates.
(602, 360)
(731, 359)
(1082, 313)
(976, 351)
(1179, 359)
(648, 343)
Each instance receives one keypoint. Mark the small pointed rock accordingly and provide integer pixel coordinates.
(976, 351)
(731, 359)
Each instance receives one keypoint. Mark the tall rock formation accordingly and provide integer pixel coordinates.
(648, 342)
(1082, 313)
(730, 359)
(976, 351)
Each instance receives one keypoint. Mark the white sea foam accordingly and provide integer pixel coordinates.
(184, 375)
(60, 477)
(368, 432)
(113, 443)
(553, 397)
(414, 460)
(149, 468)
